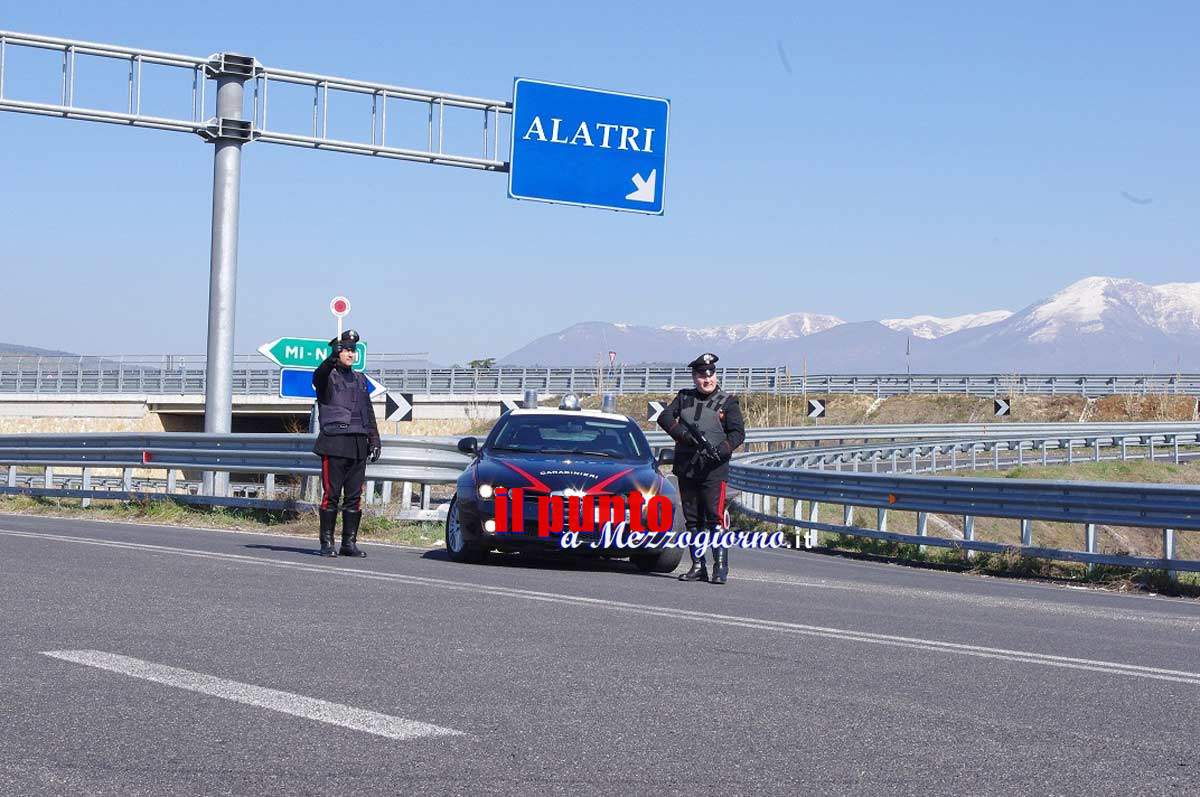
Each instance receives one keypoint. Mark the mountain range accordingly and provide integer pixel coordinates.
(1095, 324)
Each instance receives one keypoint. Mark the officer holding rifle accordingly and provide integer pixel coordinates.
(706, 424)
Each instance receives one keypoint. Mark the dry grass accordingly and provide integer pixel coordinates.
(374, 528)
(1007, 563)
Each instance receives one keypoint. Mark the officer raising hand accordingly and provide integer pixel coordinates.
(349, 437)
(706, 424)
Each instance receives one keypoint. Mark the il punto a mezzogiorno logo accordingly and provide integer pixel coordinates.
(617, 528)
(583, 513)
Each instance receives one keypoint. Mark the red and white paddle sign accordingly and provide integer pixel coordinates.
(339, 306)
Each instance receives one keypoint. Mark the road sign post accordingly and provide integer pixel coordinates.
(222, 282)
(588, 147)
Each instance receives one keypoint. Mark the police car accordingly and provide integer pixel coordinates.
(559, 454)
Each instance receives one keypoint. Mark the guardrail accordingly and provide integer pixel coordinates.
(408, 461)
(767, 481)
(820, 435)
(185, 375)
(814, 474)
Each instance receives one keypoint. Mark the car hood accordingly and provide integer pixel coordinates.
(542, 473)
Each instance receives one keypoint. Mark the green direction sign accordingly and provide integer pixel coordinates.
(305, 352)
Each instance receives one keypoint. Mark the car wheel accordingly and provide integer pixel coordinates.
(457, 545)
(662, 562)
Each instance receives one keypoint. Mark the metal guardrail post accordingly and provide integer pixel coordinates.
(1026, 532)
(881, 519)
(12, 475)
(48, 478)
(1168, 542)
(127, 479)
(425, 496)
(969, 532)
(406, 492)
(1089, 542)
(87, 485)
(269, 486)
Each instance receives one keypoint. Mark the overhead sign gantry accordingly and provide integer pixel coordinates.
(229, 127)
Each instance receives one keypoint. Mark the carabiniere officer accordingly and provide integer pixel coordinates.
(707, 426)
(349, 437)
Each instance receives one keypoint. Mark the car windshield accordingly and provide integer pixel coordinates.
(566, 434)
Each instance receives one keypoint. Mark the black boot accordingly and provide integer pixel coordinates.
(699, 571)
(720, 565)
(350, 521)
(328, 521)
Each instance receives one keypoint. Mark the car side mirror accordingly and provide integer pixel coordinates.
(469, 445)
(666, 455)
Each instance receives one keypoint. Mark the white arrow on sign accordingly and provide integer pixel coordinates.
(654, 409)
(645, 187)
(1001, 406)
(816, 408)
(398, 407)
(508, 405)
(377, 387)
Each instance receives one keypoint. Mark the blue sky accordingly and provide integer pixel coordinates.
(862, 159)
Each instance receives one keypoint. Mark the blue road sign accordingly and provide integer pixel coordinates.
(296, 383)
(579, 146)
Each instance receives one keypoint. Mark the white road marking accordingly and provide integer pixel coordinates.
(357, 719)
(916, 643)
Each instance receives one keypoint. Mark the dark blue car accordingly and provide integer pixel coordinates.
(559, 453)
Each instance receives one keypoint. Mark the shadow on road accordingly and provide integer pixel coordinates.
(540, 561)
(286, 549)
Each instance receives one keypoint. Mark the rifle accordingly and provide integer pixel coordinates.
(704, 447)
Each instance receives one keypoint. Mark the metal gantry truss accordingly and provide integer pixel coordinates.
(228, 129)
(383, 97)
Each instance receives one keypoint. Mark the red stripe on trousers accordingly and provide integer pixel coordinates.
(721, 506)
(325, 482)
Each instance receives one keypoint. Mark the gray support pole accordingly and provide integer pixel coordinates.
(798, 514)
(222, 281)
(86, 486)
(1168, 537)
(969, 533)
(1089, 541)
(1026, 531)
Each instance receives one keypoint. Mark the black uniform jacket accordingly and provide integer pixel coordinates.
(351, 446)
(731, 421)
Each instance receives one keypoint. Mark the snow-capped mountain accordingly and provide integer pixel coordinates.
(784, 327)
(1095, 324)
(931, 327)
(1096, 303)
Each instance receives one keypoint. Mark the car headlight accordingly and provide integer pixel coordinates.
(485, 491)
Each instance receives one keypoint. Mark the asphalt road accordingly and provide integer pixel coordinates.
(151, 660)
